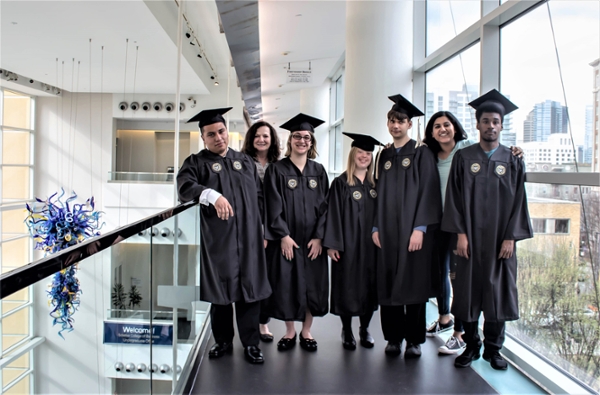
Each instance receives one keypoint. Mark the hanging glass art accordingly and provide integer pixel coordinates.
(55, 225)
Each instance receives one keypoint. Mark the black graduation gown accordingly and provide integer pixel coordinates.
(233, 265)
(486, 200)
(408, 195)
(296, 205)
(350, 216)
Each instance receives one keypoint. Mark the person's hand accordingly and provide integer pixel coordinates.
(516, 151)
(266, 243)
(416, 241)
(224, 209)
(287, 247)
(375, 237)
(314, 249)
(506, 251)
(333, 254)
(462, 246)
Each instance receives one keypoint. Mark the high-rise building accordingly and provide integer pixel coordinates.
(588, 139)
(596, 116)
(546, 118)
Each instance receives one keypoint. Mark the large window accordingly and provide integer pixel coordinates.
(16, 169)
(448, 18)
(452, 85)
(553, 94)
(544, 56)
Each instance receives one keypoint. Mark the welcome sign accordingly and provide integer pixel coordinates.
(128, 333)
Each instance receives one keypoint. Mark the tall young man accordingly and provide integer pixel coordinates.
(486, 206)
(408, 205)
(233, 266)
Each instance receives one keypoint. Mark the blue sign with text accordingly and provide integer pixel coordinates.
(126, 333)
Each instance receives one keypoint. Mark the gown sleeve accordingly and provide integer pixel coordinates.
(334, 226)
(454, 217)
(188, 184)
(429, 206)
(519, 225)
(275, 226)
(319, 230)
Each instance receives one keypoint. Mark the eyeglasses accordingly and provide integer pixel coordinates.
(306, 137)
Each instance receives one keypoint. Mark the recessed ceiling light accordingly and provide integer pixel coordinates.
(280, 85)
(14, 23)
(278, 98)
(285, 53)
(298, 14)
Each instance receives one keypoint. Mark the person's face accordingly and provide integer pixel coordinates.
(262, 139)
(443, 130)
(215, 138)
(301, 141)
(398, 129)
(489, 126)
(362, 159)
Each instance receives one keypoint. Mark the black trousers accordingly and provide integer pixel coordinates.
(364, 320)
(404, 322)
(246, 315)
(493, 333)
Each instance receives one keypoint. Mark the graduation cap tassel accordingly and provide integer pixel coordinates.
(377, 165)
(419, 141)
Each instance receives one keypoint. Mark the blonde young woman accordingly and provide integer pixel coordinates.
(296, 190)
(350, 217)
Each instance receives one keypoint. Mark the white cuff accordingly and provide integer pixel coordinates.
(209, 196)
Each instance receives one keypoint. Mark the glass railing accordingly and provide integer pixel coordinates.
(122, 176)
(134, 322)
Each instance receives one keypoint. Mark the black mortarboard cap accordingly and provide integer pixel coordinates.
(405, 107)
(497, 98)
(363, 141)
(208, 117)
(302, 122)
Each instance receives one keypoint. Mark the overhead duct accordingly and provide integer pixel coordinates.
(239, 20)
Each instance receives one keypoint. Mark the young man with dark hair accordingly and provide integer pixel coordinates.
(486, 206)
(233, 265)
(408, 206)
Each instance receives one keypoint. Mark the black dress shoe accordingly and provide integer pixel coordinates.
(412, 351)
(348, 340)
(308, 344)
(266, 337)
(366, 340)
(219, 349)
(286, 343)
(469, 355)
(253, 354)
(393, 349)
(495, 359)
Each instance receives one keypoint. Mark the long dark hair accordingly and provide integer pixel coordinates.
(274, 149)
(434, 146)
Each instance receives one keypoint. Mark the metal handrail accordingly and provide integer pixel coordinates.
(24, 276)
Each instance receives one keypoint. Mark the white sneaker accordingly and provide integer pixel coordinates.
(453, 346)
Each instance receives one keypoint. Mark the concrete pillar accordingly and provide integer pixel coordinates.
(379, 62)
(315, 102)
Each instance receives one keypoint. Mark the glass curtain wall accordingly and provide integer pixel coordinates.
(16, 172)
(544, 57)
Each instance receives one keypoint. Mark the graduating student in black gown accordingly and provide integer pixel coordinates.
(233, 266)
(409, 208)
(486, 206)
(262, 144)
(350, 217)
(296, 190)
